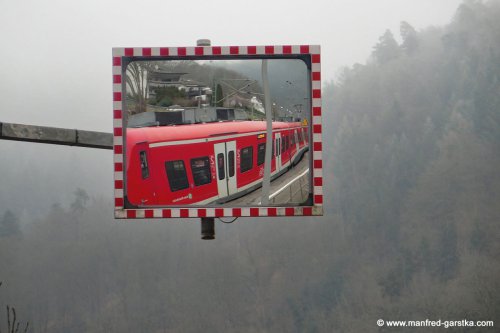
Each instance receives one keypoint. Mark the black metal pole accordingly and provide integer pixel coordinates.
(207, 228)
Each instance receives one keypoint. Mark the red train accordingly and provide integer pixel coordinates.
(206, 163)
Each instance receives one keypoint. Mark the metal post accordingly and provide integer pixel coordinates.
(207, 223)
(301, 190)
(207, 228)
(203, 42)
(266, 182)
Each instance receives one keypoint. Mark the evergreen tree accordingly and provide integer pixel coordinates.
(219, 95)
(386, 49)
(80, 203)
(9, 225)
(409, 36)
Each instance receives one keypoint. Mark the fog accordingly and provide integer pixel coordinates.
(411, 226)
(64, 49)
(56, 59)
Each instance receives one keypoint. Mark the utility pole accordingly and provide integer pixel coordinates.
(207, 223)
(269, 135)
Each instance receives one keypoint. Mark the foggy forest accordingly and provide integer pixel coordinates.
(411, 227)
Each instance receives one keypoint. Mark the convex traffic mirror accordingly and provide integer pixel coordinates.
(217, 131)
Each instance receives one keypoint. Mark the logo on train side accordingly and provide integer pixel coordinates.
(212, 166)
(189, 196)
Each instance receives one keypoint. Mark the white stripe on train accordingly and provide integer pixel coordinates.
(215, 138)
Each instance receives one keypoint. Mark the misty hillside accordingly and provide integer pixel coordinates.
(411, 229)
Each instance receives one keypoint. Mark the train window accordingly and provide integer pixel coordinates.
(201, 171)
(293, 138)
(230, 163)
(272, 150)
(222, 168)
(144, 164)
(282, 145)
(261, 153)
(177, 177)
(246, 159)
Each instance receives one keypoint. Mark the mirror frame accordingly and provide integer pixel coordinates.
(123, 56)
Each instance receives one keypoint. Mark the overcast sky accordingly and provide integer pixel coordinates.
(56, 55)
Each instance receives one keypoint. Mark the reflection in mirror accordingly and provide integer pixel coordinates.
(197, 133)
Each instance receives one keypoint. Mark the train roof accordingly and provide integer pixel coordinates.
(199, 131)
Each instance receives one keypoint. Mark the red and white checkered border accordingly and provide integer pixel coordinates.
(234, 51)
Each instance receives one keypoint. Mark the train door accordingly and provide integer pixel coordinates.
(278, 151)
(225, 159)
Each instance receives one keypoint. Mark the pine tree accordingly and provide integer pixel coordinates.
(386, 49)
(409, 36)
(9, 225)
(219, 95)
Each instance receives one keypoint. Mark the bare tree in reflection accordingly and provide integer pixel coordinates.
(136, 79)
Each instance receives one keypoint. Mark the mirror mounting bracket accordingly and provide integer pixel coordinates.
(207, 228)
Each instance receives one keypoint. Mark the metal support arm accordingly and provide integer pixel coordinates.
(57, 136)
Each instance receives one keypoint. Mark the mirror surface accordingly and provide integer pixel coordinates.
(196, 133)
